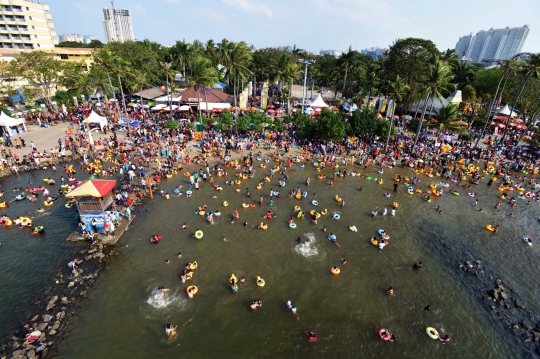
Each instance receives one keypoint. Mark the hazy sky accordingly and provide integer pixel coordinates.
(310, 24)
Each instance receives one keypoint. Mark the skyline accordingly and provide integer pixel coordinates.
(312, 25)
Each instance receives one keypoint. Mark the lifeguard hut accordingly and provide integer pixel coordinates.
(94, 200)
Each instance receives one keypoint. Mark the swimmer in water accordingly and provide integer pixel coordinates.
(427, 308)
(179, 254)
(242, 280)
(170, 330)
(343, 262)
(184, 227)
(163, 289)
(390, 291)
(324, 229)
(225, 239)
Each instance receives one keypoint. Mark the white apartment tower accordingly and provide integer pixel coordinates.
(492, 45)
(117, 25)
(26, 25)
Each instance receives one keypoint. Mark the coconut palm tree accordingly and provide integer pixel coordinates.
(120, 67)
(531, 69)
(436, 83)
(166, 66)
(446, 118)
(202, 74)
(139, 80)
(398, 89)
(348, 60)
(237, 59)
(182, 54)
(463, 74)
(105, 59)
(292, 71)
(509, 68)
(99, 80)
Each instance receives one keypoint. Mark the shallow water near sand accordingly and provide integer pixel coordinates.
(126, 317)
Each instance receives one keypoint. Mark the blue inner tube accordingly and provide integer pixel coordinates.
(176, 191)
(227, 158)
(301, 165)
(336, 216)
(380, 231)
(314, 202)
(304, 194)
(292, 225)
(189, 193)
(282, 184)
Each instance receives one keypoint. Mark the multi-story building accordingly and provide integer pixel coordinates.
(373, 52)
(492, 45)
(26, 25)
(86, 39)
(117, 25)
(335, 53)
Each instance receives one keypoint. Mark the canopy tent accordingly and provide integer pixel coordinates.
(432, 106)
(318, 102)
(12, 126)
(95, 118)
(94, 188)
(169, 108)
(211, 106)
(158, 107)
(184, 108)
(505, 111)
(455, 97)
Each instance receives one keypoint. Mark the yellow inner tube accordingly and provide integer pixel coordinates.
(263, 226)
(245, 205)
(225, 204)
(324, 212)
(335, 271)
(260, 282)
(374, 241)
(432, 333)
(193, 265)
(194, 287)
(233, 279)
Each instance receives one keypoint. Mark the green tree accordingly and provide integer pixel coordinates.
(446, 117)
(531, 69)
(464, 74)
(182, 55)
(362, 123)
(236, 59)
(436, 83)
(398, 89)
(330, 126)
(42, 71)
(202, 74)
(468, 93)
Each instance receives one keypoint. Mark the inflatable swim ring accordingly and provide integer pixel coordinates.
(192, 289)
(490, 228)
(189, 193)
(260, 282)
(292, 225)
(432, 333)
(199, 234)
(193, 265)
(315, 203)
(384, 334)
(335, 270)
(374, 241)
(336, 216)
(353, 228)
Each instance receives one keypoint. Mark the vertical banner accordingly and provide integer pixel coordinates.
(264, 96)
(241, 100)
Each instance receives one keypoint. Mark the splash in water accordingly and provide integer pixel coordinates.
(307, 248)
(158, 299)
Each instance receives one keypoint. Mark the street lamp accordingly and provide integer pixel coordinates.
(306, 62)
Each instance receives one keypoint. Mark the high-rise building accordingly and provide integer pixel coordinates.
(373, 52)
(85, 39)
(26, 25)
(492, 45)
(117, 25)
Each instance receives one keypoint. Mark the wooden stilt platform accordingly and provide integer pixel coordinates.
(123, 225)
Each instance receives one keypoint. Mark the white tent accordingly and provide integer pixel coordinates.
(95, 118)
(505, 111)
(184, 108)
(11, 126)
(168, 108)
(455, 97)
(318, 102)
(158, 107)
(214, 106)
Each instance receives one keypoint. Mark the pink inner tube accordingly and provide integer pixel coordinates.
(385, 337)
(471, 194)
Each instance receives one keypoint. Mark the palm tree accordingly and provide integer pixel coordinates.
(436, 83)
(105, 59)
(347, 60)
(372, 79)
(530, 69)
(202, 74)
(450, 57)
(166, 66)
(447, 116)
(463, 74)
(292, 70)
(398, 89)
(121, 68)
(139, 80)
(509, 67)
(236, 57)
(181, 55)
(99, 81)
(210, 51)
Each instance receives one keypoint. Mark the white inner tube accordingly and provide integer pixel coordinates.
(189, 193)
(292, 225)
(315, 203)
(336, 216)
(432, 333)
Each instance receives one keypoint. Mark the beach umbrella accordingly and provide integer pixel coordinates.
(526, 137)
(518, 120)
(512, 124)
(521, 127)
(278, 111)
(253, 109)
(271, 111)
(501, 125)
(270, 106)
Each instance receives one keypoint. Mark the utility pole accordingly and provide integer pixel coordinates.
(306, 62)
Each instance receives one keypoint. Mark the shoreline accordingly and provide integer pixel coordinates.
(60, 303)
